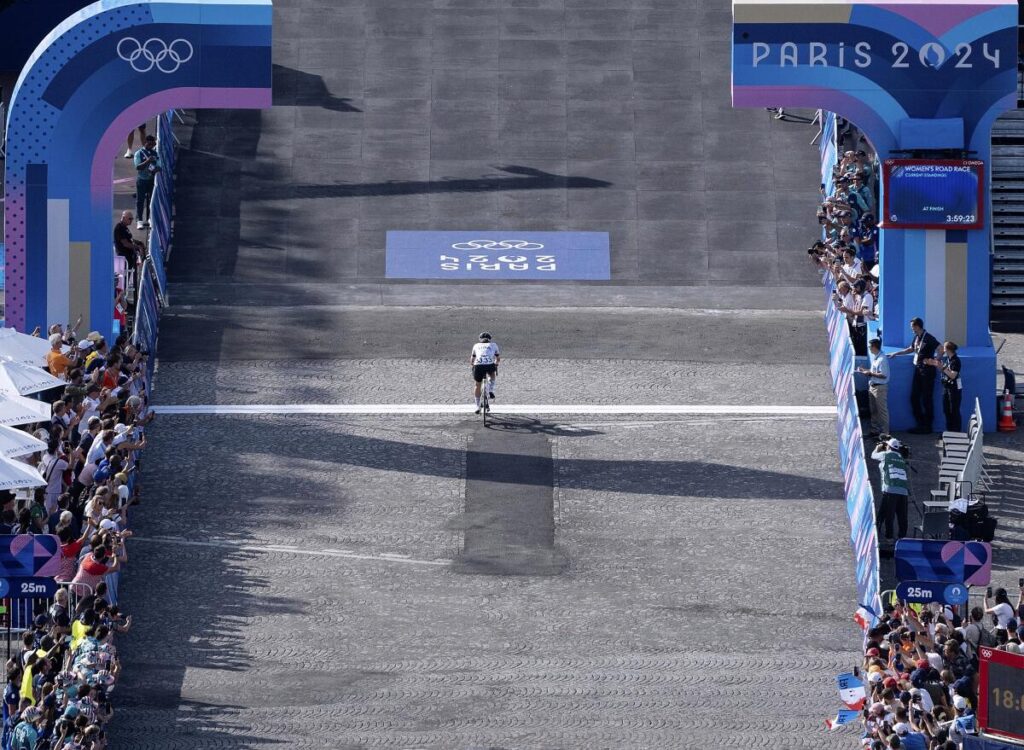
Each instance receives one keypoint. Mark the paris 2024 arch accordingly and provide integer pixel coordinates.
(96, 76)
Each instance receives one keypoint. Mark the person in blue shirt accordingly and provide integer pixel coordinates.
(147, 166)
(909, 739)
(12, 697)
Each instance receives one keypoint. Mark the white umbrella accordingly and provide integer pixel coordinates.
(15, 442)
(15, 475)
(15, 410)
(30, 350)
(18, 379)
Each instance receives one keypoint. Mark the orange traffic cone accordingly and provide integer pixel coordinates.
(1006, 423)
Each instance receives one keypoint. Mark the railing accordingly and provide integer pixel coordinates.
(162, 205)
(19, 614)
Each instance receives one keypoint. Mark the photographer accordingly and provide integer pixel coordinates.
(892, 458)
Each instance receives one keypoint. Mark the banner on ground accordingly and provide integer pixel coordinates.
(498, 254)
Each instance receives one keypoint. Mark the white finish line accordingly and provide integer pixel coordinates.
(498, 410)
(287, 549)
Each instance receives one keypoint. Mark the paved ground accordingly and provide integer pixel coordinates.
(673, 623)
(468, 114)
(408, 581)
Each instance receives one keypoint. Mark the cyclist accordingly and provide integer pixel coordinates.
(484, 359)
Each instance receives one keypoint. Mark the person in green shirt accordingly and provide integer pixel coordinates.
(895, 488)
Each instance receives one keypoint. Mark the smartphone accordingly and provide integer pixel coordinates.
(988, 592)
(1020, 582)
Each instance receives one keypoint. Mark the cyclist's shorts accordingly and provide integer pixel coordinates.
(479, 371)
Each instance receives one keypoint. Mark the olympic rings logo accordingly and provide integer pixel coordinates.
(155, 53)
(497, 245)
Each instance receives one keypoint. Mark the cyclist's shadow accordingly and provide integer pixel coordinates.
(528, 425)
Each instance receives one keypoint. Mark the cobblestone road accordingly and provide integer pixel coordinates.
(696, 609)
(300, 582)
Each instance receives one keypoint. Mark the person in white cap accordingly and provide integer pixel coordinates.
(26, 733)
(895, 487)
(964, 723)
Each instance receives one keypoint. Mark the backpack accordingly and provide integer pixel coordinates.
(985, 638)
(988, 638)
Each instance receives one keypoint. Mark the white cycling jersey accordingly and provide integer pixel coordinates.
(485, 354)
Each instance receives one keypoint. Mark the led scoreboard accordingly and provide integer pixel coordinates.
(933, 193)
(1001, 693)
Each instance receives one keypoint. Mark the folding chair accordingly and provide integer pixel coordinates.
(934, 525)
(941, 498)
(956, 439)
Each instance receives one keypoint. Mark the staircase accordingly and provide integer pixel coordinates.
(1008, 221)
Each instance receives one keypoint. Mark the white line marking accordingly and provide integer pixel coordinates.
(392, 557)
(524, 409)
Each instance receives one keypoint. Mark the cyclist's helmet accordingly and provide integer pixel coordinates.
(485, 336)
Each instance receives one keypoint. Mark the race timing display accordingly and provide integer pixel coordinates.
(933, 193)
(1001, 693)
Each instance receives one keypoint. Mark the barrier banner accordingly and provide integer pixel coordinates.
(147, 317)
(829, 149)
(157, 254)
(161, 206)
(860, 500)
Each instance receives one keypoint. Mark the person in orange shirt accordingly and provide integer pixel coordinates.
(56, 361)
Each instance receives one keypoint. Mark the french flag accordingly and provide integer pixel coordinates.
(851, 691)
(864, 616)
(842, 719)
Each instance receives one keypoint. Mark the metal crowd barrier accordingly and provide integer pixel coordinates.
(18, 615)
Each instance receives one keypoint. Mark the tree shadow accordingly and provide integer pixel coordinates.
(528, 178)
(299, 89)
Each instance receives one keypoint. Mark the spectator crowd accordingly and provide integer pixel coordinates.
(61, 677)
(920, 663)
(921, 671)
(848, 252)
(848, 249)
